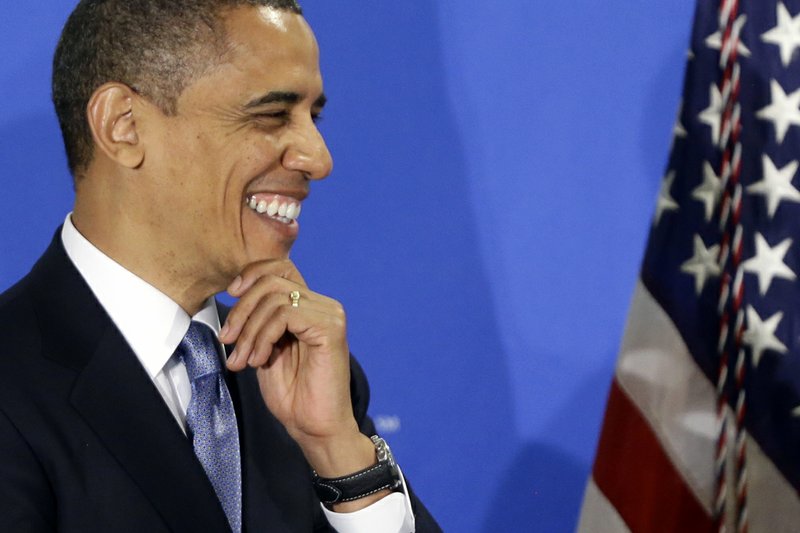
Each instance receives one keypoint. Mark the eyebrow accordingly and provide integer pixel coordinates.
(283, 97)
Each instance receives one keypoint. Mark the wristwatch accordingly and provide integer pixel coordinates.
(381, 476)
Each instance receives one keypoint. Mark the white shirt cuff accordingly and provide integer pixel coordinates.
(392, 514)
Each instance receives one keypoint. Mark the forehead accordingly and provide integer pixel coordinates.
(266, 50)
(268, 30)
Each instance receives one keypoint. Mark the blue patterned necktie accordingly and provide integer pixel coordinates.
(212, 420)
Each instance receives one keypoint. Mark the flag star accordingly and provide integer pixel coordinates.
(796, 411)
(708, 192)
(679, 130)
(712, 115)
(768, 263)
(714, 41)
(665, 200)
(786, 34)
(703, 264)
(760, 335)
(776, 184)
(784, 111)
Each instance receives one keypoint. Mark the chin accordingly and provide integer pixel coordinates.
(267, 239)
(272, 253)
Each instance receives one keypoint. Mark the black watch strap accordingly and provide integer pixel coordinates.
(381, 476)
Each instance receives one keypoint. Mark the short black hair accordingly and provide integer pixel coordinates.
(156, 47)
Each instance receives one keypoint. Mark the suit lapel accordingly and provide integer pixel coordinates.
(116, 397)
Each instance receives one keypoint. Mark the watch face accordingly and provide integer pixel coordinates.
(382, 451)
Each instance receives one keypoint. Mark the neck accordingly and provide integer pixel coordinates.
(137, 247)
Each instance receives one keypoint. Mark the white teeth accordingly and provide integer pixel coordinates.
(284, 212)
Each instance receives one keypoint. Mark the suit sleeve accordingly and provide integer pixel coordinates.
(359, 392)
(27, 502)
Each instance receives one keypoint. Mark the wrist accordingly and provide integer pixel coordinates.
(361, 488)
(333, 457)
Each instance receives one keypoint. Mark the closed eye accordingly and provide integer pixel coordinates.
(280, 115)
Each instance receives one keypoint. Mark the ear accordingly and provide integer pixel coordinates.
(113, 123)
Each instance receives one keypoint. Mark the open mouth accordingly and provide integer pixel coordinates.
(283, 209)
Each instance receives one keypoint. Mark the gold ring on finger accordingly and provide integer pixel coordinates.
(295, 297)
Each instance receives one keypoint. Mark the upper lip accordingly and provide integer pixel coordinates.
(298, 194)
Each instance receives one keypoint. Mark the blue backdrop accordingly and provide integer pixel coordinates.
(496, 165)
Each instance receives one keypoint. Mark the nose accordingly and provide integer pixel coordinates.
(307, 152)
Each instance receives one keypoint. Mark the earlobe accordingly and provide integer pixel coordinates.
(113, 123)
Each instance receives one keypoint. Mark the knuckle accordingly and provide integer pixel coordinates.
(264, 283)
(283, 311)
(243, 342)
(339, 322)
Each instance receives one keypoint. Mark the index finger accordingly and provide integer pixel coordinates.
(283, 268)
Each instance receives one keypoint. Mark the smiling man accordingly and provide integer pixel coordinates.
(129, 399)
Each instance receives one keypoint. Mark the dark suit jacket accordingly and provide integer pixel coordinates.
(88, 444)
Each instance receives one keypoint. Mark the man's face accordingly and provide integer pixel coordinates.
(242, 145)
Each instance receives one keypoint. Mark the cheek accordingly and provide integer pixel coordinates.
(198, 168)
(258, 152)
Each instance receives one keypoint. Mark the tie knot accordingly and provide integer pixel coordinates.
(198, 351)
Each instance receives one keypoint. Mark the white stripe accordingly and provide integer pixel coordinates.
(597, 513)
(773, 505)
(657, 372)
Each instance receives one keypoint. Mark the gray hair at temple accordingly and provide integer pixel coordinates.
(156, 47)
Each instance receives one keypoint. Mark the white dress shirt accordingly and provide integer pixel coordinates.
(154, 325)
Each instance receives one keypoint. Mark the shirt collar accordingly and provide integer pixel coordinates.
(151, 323)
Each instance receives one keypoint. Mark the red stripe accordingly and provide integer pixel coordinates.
(638, 478)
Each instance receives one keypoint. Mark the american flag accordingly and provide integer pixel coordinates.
(702, 426)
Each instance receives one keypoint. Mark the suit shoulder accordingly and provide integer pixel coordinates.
(13, 294)
(18, 327)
